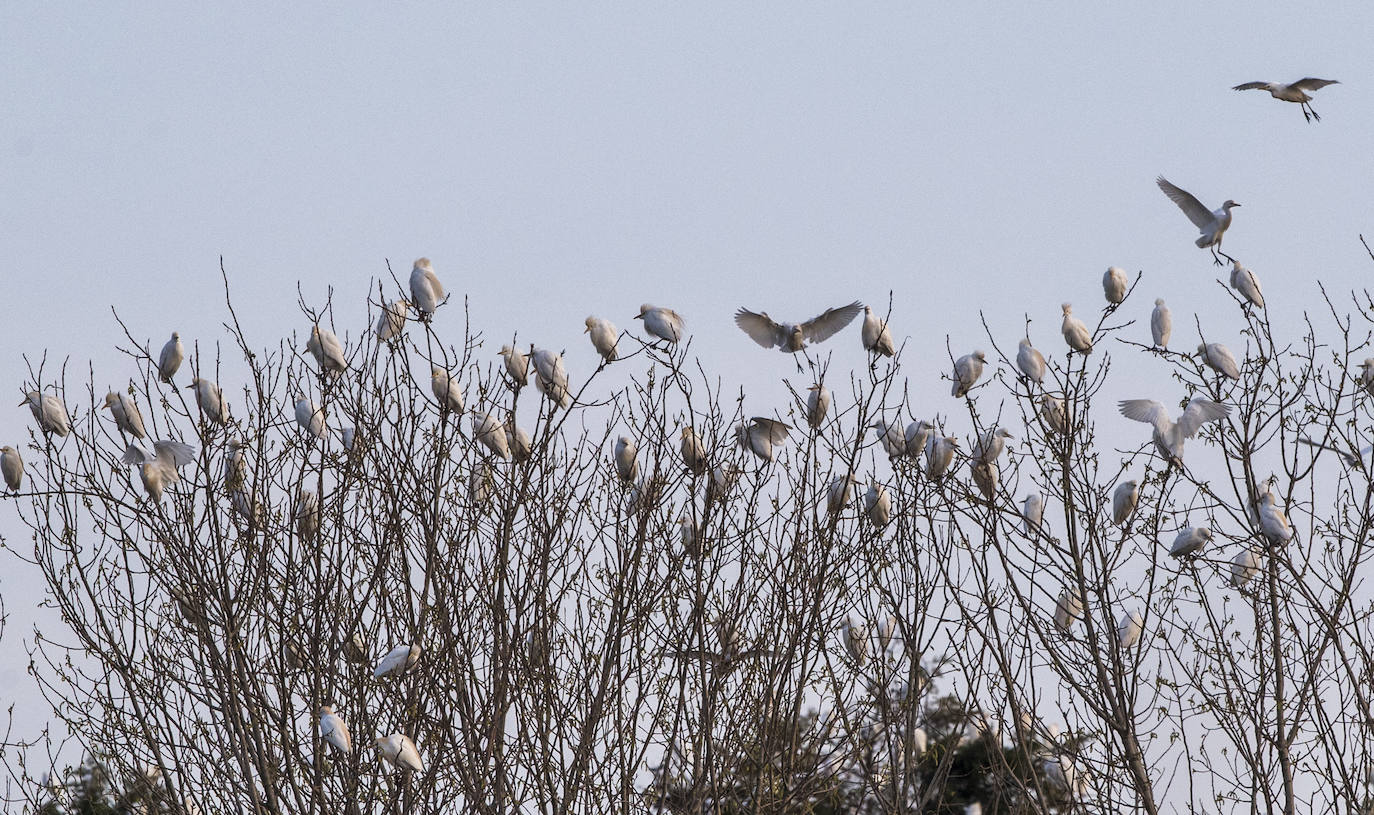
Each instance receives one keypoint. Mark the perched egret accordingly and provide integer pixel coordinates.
(170, 359)
(334, 731)
(1129, 629)
(521, 445)
(426, 292)
(1244, 281)
(793, 337)
(968, 369)
(1114, 284)
(626, 461)
(550, 377)
(1211, 224)
(1244, 566)
(235, 465)
(878, 505)
(841, 492)
(125, 412)
(1030, 362)
(916, 437)
(1054, 413)
(480, 481)
(1061, 774)
(308, 515)
(604, 337)
(876, 338)
(311, 418)
(1124, 499)
(856, 641)
(400, 752)
(663, 323)
(1272, 520)
(355, 649)
(1033, 513)
(690, 537)
(1169, 435)
(210, 400)
(1076, 332)
(490, 433)
(985, 478)
(160, 468)
(817, 404)
(990, 444)
(1190, 540)
(693, 451)
(762, 436)
(12, 467)
(939, 455)
(249, 508)
(49, 412)
(446, 390)
(397, 661)
(392, 321)
(892, 438)
(1161, 324)
(1068, 609)
(1292, 92)
(517, 365)
(327, 351)
(1220, 359)
(723, 477)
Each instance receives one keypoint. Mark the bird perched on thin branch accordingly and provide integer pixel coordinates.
(967, 371)
(1247, 284)
(1115, 284)
(1211, 224)
(876, 338)
(1161, 324)
(762, 436)
(1292, 92)
(1030, 362)
(793, 337)
(663, 323)
(426, 292)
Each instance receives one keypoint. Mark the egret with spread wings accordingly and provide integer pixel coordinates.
(1169, 435)
(1211, 224)
(793, 337)
(1293, 92)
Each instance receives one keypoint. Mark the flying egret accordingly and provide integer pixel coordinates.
(878, 505)
(1054, 413)
(1190, 540)
(876, 338)
(1169, 435)
(426, 292)
(1272, 520)
(327, 351)
(392, 321)
(990, 444)
(1220, 359)
(1161, 324)
(397, 661)
(1030, 362)
(1292, 92)
(841, 492)
(1076, 332)
(1129, 629)
(793, 337)
(308, 515)
(1033, 513)
(1351, 459)
(446, 390)
(550, 377)
(1068, 609)
(604, 337)
(521, 445)
(856, 641)
(12, 467)
(1211, 224)
(939, 455)
(49, 412)
(126, 415)
(311, 418)
(334, 731)
(1114, 284)
(626, 463)
(1244, 281)
(160, 468)
(1244, 566)
(817, 404)
(692, 450)
(968, 369)
(985, 478)
(1124, 499)
(762, 436)
(170, 359)
(663, 323)
(892, 438)
(400, 752)
(517, 365)
(210, 400)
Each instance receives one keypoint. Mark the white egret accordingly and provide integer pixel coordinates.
(355, 649)
(1054, 413)
(1076, 332)
(693, 451)
(1244, 566)
(1292, 92)
(1351, 459)
(1124, 500)
(308, 515)
(517, 365)
(12, 467)
(892, 437)
(1211, 224)
(1169, 435)
(886, 627)
(170, 359)
(690, 537)
(985, 478)
(249, 508)
(856, 641)
(1033, 513)
(126, 415)
(1030, 362)
(1190, 540)
(841, 492)
(762, 436)
(968, 369)
(480, 480)
(916, 436)
(939, 455)
(663, 323)
(392, 321)
(990, 444)
(328, 352)
(1161, 324)
(723, 477)
(975, 808)
(1272, 520)
(334, 731)
(793, 337)
(876, 338)
(1114, 284)
(426, 292)
(626, 462)
(1129, 629)
(397, 661)
(817, 404)
(878, 505)
(446, 390)
(400, 752)
(490, 433)
(49, 412)
(1068, 609)
(311, 418)
(1061, 773)
(160, 468)
(1244, 281)
(604, 337)
(235, 465)
(550, 377)
(210, 400)
(1220, 359)
(521, 445)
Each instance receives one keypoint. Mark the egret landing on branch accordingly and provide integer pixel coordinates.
(793, 337)
(1295, 92)
(1211, 224)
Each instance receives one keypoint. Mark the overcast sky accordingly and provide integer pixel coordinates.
(573, 159)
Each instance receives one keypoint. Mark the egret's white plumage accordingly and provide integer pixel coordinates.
(1115, 283)
(693, 451)
(876, 337)
(235, 466)
(1272, 520)
(940, 454)
(517, 365)
(1169, 435)
(1366, 376)
(426, 292)
(490, 433)
(126, 415)
(1211, 224)
(521, 445)
(1033, 513)
(1161, 324)
(1292, 92)
(400, 752)
(446, 390)
(917, 436)
(170, 359)
(327, 350)
(762, 436)
(663, 323)
(968, 369)
(392, 321)
(397, 661)
(1220, 359)
(311, 418)
(878, 505)
(308, 515)
(550, 377)
(1054, 413)
(1068, 609)
(1129, 629)
(1030, 362)
(990, 444)
(12, 467)
(1247, 284)
(161, 467)
(626, 461)
(985, 478)
(1124, 500)
(210, 400)
(1076, 332)
(817, 404)
(604, 337)
(49, 412)
(1244, 566)
(1190, 540)
(793, 337)
(891, 437)
(840, 493)
(856, 641)
(334, 731)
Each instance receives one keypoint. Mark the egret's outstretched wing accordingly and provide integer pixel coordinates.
(824, 325)
(133, 454)
(1250, 86)
(1200, 215)
(776, 431)
(1201, 411)
(1146, 410)
(760, 327)
(175, 453)
(1311, 83)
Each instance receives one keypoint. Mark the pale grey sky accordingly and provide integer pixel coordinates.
(570, 159)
